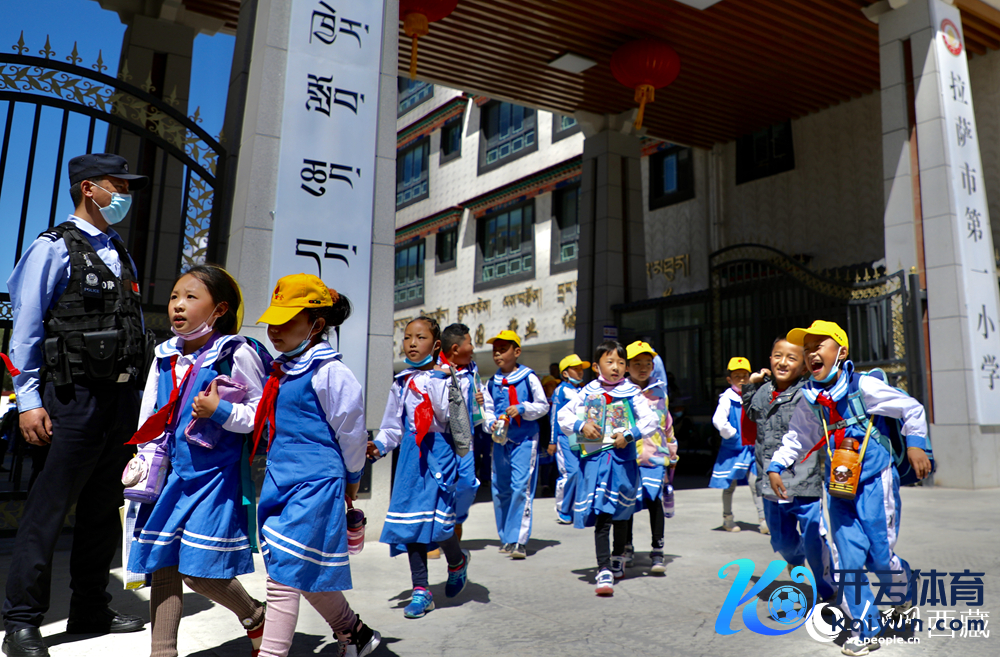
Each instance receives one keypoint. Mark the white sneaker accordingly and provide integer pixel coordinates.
(605, 583)
(762, 527)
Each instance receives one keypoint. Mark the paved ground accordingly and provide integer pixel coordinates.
(545, 605)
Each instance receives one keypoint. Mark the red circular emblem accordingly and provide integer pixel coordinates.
(950, 36)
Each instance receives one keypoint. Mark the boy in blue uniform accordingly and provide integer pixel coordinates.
(517, 392)
(571, 370)
(735, 461)
(864, 528)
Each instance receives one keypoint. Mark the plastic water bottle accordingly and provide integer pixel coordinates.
(668, 500)
(668, 494)
(356, 522)
(500, 429)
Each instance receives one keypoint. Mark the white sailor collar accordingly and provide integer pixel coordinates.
(655, 388)
(220, 347)
(622, 390)
(519, 374)
(305, 361)
(732, 396)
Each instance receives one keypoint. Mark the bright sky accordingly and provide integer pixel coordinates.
(93, 29)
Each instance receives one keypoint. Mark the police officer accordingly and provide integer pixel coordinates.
(78, 342)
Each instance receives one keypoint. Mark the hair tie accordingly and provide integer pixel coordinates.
(333, 294)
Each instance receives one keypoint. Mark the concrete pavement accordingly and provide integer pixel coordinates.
(545, 605)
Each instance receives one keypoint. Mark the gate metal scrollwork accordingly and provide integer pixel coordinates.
(759, 293)
(182, 222)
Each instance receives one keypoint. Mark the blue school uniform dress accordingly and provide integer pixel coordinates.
(608, 481)
(198, 523)
(318, 447)
(567, 460)
(422, 506)
(735, 459)
(515, 463)
(865, 528)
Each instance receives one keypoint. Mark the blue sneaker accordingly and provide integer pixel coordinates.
(458, 576)
(420, 604)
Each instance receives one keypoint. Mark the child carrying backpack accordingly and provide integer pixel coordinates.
(848, 414)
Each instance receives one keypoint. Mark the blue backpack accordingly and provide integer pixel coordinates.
(892, 440)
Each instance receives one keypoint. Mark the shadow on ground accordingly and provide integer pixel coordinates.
(473, 593)
(535, 545)
(640, 568)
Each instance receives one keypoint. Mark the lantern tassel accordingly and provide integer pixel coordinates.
(413, 58)
(415, 25)
(643, 95)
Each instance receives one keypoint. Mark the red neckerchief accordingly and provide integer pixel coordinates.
(265, 409)
(775, 393)
(512, 396)
(157, 423)
(423, 414)
(824, 399)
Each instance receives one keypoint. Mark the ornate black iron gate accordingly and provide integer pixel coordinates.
(178, 222)
(759, 293)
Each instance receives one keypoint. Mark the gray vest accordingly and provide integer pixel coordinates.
(772, 418)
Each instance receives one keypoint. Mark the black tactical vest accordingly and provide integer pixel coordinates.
(94, 331)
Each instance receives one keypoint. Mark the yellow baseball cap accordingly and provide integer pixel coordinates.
(294, 293)
(738, 363)
(572, 361)
(509, 336)
(13, 397)
(638, 347)
(819, 327)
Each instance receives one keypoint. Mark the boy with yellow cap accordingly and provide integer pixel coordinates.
(735, 461)
(839, 403)
(571, 370)
(517, 393)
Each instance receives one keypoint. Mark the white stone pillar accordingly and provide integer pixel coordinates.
(255, 116)
(957, 248)
(612, 264)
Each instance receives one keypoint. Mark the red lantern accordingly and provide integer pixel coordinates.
(645, 65)
(417, 16)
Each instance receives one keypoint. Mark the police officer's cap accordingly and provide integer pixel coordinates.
(95, 165)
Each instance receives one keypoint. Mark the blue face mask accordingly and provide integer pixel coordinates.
(576, 382)
(421, 363)
(116, 210)
(302, 345)
(833, 371)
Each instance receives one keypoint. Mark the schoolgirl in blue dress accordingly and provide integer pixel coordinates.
(196, 532)
(608, 482)
(312, 419)
(422, 510)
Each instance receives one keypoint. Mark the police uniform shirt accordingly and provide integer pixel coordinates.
(38, 280)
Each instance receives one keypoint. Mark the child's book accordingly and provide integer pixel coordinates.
(612, 418)
(594, 410)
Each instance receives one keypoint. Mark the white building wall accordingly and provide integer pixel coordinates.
(552, 304)
(457, 181)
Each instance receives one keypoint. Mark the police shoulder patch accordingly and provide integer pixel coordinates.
(51, 236)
